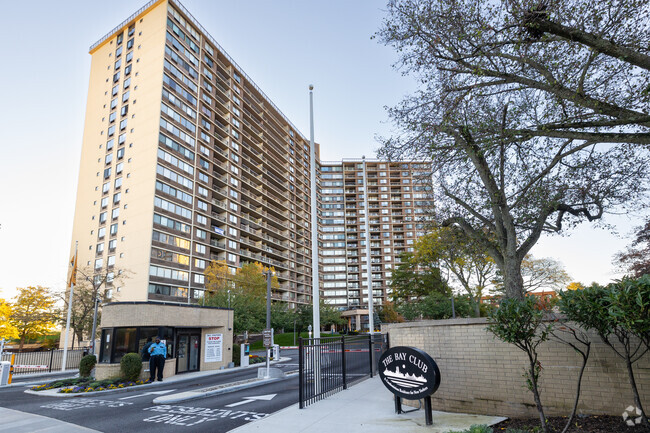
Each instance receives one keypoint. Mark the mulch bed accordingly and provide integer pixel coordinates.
(589, 424)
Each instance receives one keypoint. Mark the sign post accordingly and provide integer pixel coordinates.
(412, 374)
(267, 335)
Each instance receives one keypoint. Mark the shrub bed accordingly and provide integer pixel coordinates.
(86, 384)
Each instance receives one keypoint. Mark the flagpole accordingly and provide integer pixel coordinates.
(314, 222)
(67, 321)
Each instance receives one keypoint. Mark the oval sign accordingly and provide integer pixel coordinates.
(408, 372)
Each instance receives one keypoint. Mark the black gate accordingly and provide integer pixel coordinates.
(330, 364)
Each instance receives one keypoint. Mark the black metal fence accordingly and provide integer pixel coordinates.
(330, 364)
(43, 362)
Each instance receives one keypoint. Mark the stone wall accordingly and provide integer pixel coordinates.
(481, 374)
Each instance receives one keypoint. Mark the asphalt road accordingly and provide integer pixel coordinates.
(135, 411)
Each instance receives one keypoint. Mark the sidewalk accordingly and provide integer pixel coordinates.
(365, 407)
(15, 421)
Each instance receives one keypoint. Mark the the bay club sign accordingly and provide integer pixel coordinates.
(409, 373)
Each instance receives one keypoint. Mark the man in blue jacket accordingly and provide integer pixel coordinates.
(158, 353)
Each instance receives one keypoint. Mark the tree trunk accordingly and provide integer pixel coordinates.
(477, 306)
(22, 342)
(512, 280)
(585, 358)
(637, 399)
(538, 400)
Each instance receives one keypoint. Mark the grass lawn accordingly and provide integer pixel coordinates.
(287, 339)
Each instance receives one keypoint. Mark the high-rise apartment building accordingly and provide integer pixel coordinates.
(185, 160)
(396, 195)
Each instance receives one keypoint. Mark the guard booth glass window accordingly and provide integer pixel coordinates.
(125, 342)
(144, 334)
(117, 342)
(106, 345)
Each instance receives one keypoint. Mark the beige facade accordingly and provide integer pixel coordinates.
(185, 160)
(481, 374)
(397, 194)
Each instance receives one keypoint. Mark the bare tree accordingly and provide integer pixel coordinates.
(94, 287)
(527, 132)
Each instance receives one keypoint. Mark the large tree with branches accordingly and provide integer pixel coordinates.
(534, 114)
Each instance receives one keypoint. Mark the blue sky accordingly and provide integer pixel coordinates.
(282, 45)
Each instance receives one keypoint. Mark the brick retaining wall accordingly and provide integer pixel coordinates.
(481, 374)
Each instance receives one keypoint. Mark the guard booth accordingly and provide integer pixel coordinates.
(197, 338)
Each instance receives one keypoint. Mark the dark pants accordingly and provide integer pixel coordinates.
(156, 362)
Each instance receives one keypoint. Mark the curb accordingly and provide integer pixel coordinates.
(195, 395)
(38, 379)
(49, 393)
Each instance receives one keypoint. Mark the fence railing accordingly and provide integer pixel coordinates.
(330, 364)
(42, 362)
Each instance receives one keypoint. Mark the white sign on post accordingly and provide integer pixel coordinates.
(213, 347)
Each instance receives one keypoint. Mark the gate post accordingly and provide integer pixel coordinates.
(345, 379)
(301, 372)
(51, 359)
(370, 352)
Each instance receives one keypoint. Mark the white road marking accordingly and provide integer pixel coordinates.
(266, 397)
(148, 393)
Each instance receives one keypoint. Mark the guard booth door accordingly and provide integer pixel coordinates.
(188, 350)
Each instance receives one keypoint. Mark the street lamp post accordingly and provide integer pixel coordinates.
(269, 275)
(94, 331)
(229, 309)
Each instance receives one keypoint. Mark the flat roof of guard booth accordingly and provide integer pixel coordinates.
(119, 314)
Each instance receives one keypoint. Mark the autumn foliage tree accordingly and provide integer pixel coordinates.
(244, 292)
(468, 264)
(531, 112)
(7, 330)
(33, 313)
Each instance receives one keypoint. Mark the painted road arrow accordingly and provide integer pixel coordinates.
(148, 393)
(266, 397)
